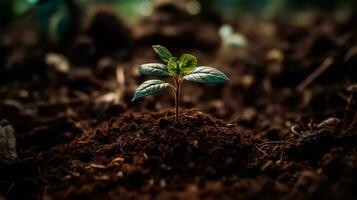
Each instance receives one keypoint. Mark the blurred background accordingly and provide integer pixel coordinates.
(56, 18)
(65, 20)
(55, 54)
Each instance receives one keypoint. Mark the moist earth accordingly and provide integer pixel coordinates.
(271, 132)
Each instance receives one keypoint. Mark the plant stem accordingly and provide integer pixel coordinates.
(177, 101)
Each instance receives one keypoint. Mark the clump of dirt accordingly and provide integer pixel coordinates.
(145, 155)
(147, 151)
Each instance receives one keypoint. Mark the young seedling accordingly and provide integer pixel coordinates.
(184, 68)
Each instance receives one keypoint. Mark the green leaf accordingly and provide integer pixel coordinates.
(153, 69)
(172, 67)
(205, 74)
(187, 62)
(149, 87)
(163, 53)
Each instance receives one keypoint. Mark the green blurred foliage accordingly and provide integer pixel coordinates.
(55, 16)
(21, 7)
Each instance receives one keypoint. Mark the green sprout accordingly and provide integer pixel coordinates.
(179, 70)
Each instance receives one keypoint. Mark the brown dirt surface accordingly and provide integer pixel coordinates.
(271, 132)
(145, 155)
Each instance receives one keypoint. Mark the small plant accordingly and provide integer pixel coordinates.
(184, 68)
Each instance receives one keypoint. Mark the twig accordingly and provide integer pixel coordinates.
(350, 53)
(275, 148)
(277, 142)
(264, 153)
(322, 68)
(293, 130)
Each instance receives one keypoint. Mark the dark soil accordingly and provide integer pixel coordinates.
(266, 134)
(145, 155)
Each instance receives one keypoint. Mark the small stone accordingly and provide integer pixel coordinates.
(8, 151)
(118, 159)
(97, 166)
(352, 88)
(120, 174)
(329, 122)
(102, 178)
(163, 183)
(267, 165)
